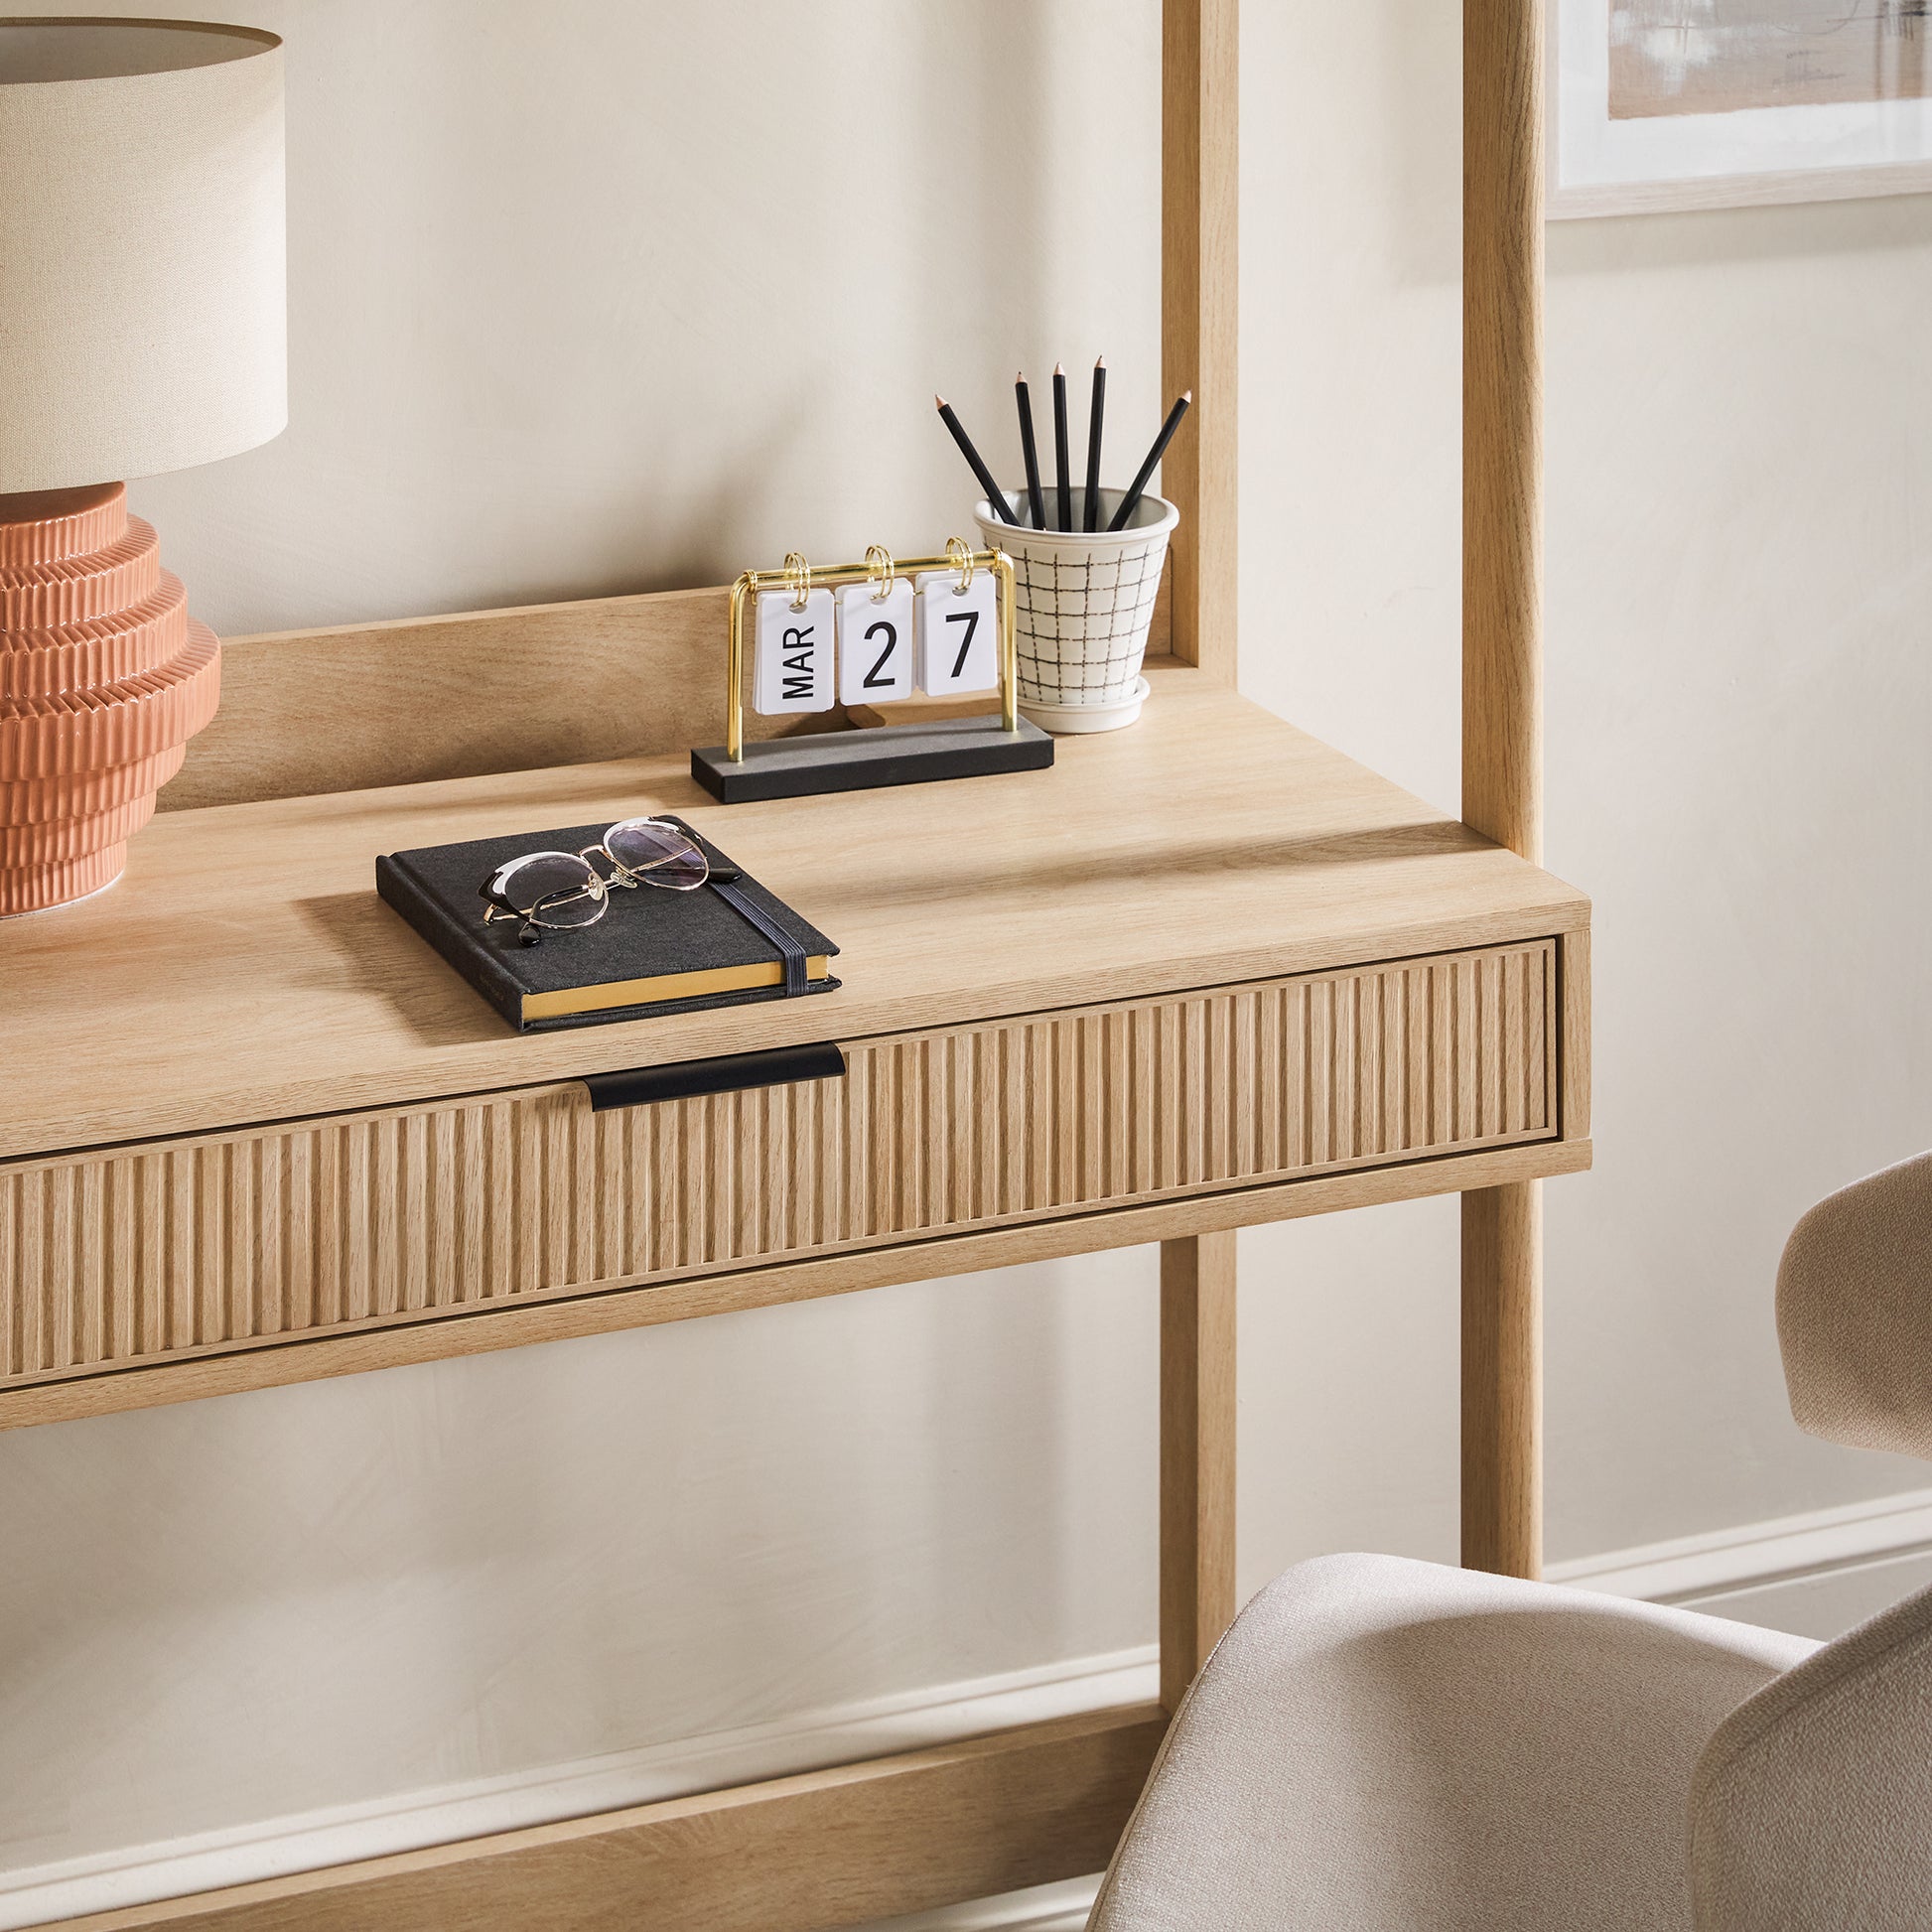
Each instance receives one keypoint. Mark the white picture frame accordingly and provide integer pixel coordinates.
(1815, 151)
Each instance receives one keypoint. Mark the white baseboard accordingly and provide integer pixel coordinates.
(1785, 1556)
(1822, 1570)
(141, 1875)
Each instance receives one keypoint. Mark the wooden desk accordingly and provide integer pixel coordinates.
(1204, 973)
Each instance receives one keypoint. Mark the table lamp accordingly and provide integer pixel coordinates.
(142, 329)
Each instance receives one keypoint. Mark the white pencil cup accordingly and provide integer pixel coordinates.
(1082, 604)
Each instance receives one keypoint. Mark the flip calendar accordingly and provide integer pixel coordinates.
(895, 631)
(873, 633)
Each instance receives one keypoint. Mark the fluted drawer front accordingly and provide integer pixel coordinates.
(131, 1255)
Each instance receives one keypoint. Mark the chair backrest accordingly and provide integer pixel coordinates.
(1855, 1313)
(1811, 1810)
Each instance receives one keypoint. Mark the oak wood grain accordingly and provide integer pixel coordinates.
(1296, 864)
(245, 971)
(1503, 1379)
(414, 699)
(1199, 317)
(891, 1835)
(399, 1340)
(132, 1253)
(1502, 712)
(1573, 979)
(1502, 420)
(1200, 89)
(1198, 1460)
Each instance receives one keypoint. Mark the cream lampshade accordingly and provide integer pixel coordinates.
(142, 329)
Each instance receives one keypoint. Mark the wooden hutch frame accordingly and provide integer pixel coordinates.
(1046, 1802)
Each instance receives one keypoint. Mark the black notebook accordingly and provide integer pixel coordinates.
(728, 943)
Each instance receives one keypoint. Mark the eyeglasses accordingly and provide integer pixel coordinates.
(556, 892)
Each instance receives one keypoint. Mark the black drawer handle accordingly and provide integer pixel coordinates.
(728, 1074)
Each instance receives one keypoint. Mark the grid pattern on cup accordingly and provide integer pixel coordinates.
(1080, 623)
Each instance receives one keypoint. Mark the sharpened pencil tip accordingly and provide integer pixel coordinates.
(1186, 395)
(1057, 371)
(1100, 361)
(938, 402)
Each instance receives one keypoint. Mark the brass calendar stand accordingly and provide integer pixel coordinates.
(734, 773)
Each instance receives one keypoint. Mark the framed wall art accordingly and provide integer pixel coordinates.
(1659, 104)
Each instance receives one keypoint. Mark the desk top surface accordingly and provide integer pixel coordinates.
(244, 970)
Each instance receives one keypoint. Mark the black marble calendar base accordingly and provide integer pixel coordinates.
(883, 754)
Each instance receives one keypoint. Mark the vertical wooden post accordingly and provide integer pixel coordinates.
(1199, 209)
(1502, 719)
(1196, 1455)
(1503, 1379)
(1199, 195)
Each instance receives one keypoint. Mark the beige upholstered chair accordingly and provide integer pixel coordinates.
(1380, 1745)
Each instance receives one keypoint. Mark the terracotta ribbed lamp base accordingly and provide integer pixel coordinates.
(104, 677)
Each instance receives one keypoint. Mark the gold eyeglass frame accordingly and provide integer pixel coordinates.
(596, 888)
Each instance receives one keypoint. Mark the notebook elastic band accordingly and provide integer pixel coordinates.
(789, 949)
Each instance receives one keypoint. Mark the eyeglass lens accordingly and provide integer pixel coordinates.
(658, 853)
(541, 887)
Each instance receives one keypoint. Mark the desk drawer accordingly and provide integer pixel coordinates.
(186, 1247)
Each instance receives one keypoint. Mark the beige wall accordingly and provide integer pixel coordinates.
(594, 295)
(1739, 703)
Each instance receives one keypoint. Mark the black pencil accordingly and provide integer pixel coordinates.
(1090, 520)
(996, 496)
(1131, 501)
(1030, 452)
(1063, 464)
